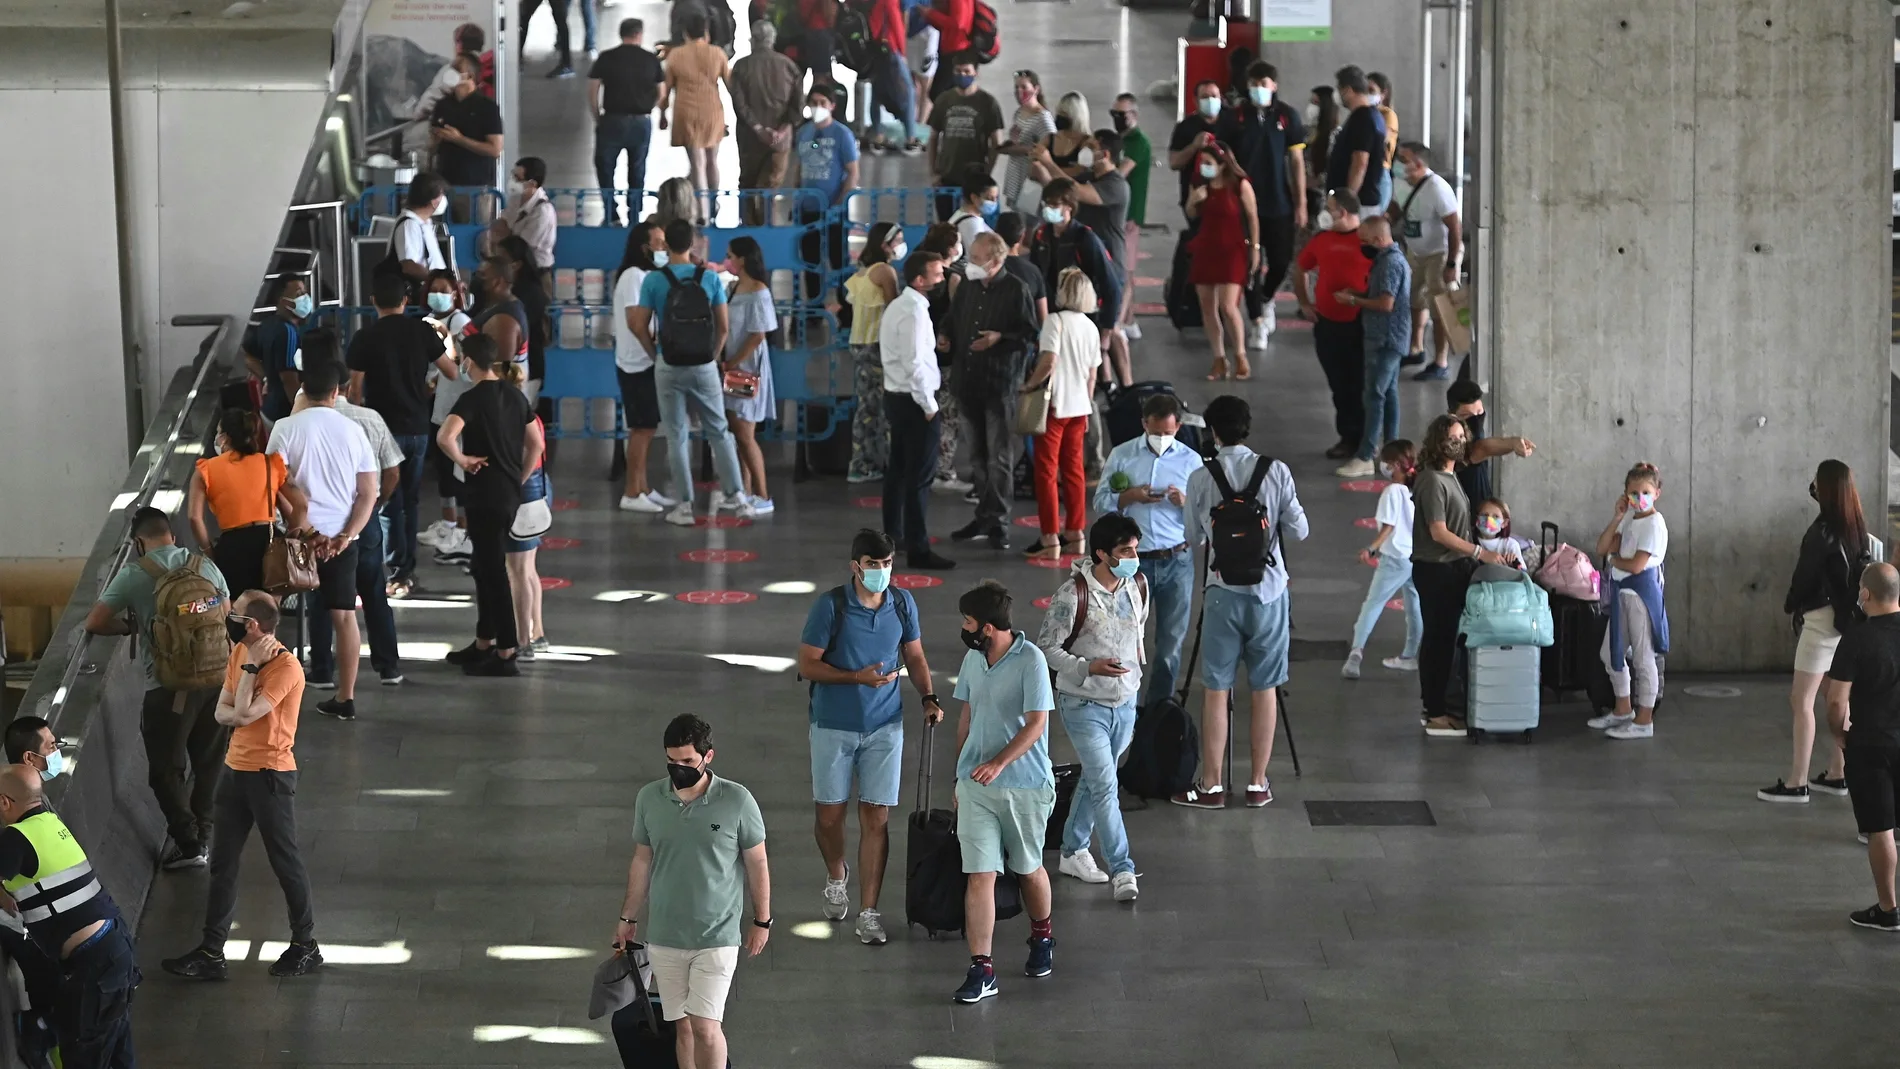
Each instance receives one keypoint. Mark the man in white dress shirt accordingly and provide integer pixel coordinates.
(908, 343)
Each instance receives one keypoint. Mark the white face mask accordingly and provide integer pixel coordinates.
(1085, 158)
(1160, 443)
(1373, 100)
(448, 78)
(975, 272)
(899, 251)
(516, 189)
(820, 115)
(1325, 220)
(441, 206)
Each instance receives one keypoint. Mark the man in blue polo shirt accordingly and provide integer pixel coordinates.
(827, 154)
(1006, 788)
(855, 636)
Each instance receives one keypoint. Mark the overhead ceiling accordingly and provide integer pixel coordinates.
(175, 14)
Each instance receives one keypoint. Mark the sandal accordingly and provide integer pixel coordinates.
(1042, 551)
(1219, 372)
(1242, 370)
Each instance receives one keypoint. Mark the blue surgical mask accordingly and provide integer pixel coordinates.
(1052, 216)
(1210, 106)
(1125, 567)
(301, 306)
(55, 764)
(990, 208)
(659, 258)
(963, 81)
(876, 579)
(441, 303)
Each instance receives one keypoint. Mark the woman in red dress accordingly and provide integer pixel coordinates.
(1224, 254)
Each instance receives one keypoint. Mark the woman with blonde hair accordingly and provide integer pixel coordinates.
(1070, 352)
(1061, 154)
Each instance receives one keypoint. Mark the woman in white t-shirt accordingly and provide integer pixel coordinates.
(633, 365)
(1634, 544)
(446, 297)
(1391, 554)
(1033, 122)
(1070, 352)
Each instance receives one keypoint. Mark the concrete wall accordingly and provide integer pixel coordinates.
(1691, 269)
(218, 127)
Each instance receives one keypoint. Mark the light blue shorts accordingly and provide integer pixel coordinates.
(994, 823)
(876, 757)
(1235, 624)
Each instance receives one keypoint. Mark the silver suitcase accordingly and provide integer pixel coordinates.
(1502, 693)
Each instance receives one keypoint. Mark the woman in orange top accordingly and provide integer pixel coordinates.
(246, 490)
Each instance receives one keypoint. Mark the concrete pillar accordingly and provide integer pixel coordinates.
(1690, 267)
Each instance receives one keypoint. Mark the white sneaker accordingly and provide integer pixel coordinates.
(681, 516)
(1257, 333)
(439, 533)
(1125, 888)
(1609, 720)
(1632, 730)
(950, 484)
(1401, 664)
(1270, 318)
(1355, 469)
(761, 506)
(454, 549)
(1132, 331)
(1350, 670)
(661, 499)
(838, 897)
(870, 928)
(1082, 866)
(643, 503)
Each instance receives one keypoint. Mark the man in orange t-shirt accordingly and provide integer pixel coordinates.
(263, 690)
(1333, 261)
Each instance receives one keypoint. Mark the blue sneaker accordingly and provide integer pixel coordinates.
(978, 985)
(1042, 957)
(1432, 374)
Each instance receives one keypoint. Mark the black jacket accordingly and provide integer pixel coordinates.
(1002, 305)
(1826, 573)
(1077, 247)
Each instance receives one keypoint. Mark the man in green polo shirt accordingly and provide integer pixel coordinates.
(698, 841)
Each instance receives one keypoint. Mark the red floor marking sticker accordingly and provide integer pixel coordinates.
(1367, 522)
(1045, 562)
(1041, 603)
(716, 597)
(1030, 522)
(1396, 604)
(874, 502)
(915, 582)
(1364, 486)
(708, 484)
(551, 542)
(549, 582)
(718, 556)
(1290, 323)
(721, 522)
(1144, 280)
(1150, 308)
(1145, 255)
(565, 504)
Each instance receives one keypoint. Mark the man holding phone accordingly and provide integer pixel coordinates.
(1146, 479)
(855, 639)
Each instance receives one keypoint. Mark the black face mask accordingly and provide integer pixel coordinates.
(1371, 251)
(973, 639)
(1063, 122)
(683, 776)
(238, 630)
(1121, 121)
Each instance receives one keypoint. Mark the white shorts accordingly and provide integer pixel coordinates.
(1814, 651)
(693, 981)
(921, 51)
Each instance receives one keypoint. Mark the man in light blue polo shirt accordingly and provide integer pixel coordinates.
(854, 638)
(1236, 620)
(1154, 494)
(1006, 788)
(827, 154)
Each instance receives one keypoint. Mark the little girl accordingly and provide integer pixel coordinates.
(1493, 523)
(1635, 543)
(1398, 461)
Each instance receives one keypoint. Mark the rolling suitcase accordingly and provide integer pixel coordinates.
(933, 864)
(1067, 777)
(1184, 305)
(1502, 691)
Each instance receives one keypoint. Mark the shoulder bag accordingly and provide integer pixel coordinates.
(290, 562)
(1033, 401)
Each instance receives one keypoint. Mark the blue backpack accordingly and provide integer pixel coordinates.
(1513, 612)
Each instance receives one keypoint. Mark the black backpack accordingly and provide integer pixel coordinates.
(1164, 751)
(686, 321)
(1242, 541)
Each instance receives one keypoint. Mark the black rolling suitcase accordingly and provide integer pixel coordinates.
(643, 1035)
(1184, 305)
(1067, 777)
(1577, 635)
(1121, 416)
(933, 863)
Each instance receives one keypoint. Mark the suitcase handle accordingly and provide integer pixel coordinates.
(1548, 539)
(925, 751)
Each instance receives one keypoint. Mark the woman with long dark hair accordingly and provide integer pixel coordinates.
(246, 489)
(533, 287)
(1822, 599)
(750, 317)
(873, 286)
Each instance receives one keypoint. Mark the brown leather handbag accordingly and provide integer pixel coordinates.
(290, 563)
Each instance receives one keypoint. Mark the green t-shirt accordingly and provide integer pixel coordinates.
(1437, 496)
(1136, 147)
(133, 589)
(697, 887)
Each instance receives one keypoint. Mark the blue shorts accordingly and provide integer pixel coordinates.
(537, 487)
(999, 826)
(877, 757)
(1233, 624)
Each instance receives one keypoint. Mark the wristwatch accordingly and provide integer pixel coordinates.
(766, 923)
(931, 699)
(251, 668)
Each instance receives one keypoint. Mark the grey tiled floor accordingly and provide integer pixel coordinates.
(1579, 903)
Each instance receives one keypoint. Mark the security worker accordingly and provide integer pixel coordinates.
(72, 918)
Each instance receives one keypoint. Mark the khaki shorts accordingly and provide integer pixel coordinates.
(693, 981)
(1814, 651)
(1428, 279)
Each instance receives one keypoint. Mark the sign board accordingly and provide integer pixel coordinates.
(1296, 20)
(406, 44)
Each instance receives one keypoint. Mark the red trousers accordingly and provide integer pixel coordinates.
(1059, 463)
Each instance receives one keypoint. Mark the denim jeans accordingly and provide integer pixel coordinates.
(699, 388)
(892, 92)
(1393, 575)
(92, 1007)
(378, 618)
(615, 134)
(1100, 734)
(1382, 399)
(1171, 588)
(402, 516)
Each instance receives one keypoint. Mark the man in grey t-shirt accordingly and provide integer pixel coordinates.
(1101, 204)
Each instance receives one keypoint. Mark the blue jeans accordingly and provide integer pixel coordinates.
(892, 91)
(1385, 192)
(1381, 399)
(615, 134)
(699, 387)
(402, 516)
(1393, 575)
(1171, 586)
(1100, 734)
(378, 618)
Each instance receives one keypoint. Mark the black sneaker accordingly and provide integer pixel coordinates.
(466, 655)
(1412, 360)
(297, 959)
(1835, 787)
(492, 664)
(562, 71)
(928, 561)
(973, 529)
(1783, 793)
(182, 856)
(1883, 920)
(999, 538)
(202, 963)
(342, 710)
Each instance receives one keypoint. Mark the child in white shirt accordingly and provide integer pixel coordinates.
(1391, 554)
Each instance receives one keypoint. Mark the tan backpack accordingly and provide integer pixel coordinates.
(190, 648)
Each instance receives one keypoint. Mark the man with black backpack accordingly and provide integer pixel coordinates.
(1242, 506)
(855, 638)
(682, 318)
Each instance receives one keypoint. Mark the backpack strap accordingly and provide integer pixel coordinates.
(698, 274)
(672, 280)
(837, 618)
(1081, 612)
(1219, 472)
(151, 567)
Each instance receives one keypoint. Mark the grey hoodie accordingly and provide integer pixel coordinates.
(1112, 628)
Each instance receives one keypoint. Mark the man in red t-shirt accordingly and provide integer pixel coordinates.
(1333, 261)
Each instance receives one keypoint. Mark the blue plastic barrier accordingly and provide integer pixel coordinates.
(476, 206)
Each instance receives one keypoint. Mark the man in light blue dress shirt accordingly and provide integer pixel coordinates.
(1154, 495)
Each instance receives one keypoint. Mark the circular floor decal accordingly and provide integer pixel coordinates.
(718, 556)
(1711, 690)
(1148, 280)
(1367, 522)
(716, 597)
(1396, 605)
(1041, 603)
(565, 504)
(1044, 562)
(1290, 323)
(550, 582)
(915, 582)
(551, 542)
(1150, 308)
(873, 502)
(721, 522)
(1364, 486)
